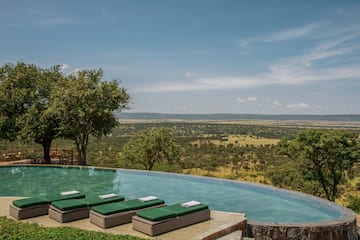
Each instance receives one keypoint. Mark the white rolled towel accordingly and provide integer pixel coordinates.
(110, 195)
(148, 198)
(69, 193)
(190, 203)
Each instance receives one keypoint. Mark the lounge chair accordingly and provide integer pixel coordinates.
(75, 209)
(156, 221)
(117, 213)
(38, 206)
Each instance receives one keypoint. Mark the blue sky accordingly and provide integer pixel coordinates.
(200, 56)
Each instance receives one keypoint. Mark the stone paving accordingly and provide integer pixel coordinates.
(220, 222)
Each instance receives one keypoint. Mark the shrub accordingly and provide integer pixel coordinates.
(354, 203)
(13, 230)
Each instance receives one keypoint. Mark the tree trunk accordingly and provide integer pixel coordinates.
(82, 156)
(46, 150)
(81, 146)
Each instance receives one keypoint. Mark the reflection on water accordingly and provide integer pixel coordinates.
(19, 181)
(117, 182)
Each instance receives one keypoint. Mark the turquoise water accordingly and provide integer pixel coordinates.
(260, 203)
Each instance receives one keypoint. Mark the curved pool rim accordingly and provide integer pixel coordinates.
(346, 215)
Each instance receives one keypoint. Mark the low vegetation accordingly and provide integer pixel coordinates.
(14, 230)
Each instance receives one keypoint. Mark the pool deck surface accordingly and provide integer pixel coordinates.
(219, 221)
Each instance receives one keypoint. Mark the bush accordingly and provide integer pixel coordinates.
(358, 186)
(354, 203)
(13, 230)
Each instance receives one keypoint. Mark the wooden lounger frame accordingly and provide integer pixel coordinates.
(155, 228)
(28, 212)
(68, 215)
(112, 220)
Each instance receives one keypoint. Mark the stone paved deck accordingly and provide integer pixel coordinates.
(220, 221)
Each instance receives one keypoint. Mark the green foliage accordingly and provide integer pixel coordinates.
(17, 94)
(358, 186)
(151, 147)
(13, 230)
(84, 105)
(43, 104)
(325, 157)
(354, 203)
(24, 94)
(287, 175)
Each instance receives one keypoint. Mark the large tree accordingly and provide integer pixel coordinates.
(38, 123)
(24, 100)
(17, 94)
(152, 147)
(85, 106)
(324, 156)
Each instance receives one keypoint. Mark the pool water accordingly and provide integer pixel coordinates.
(260, 203)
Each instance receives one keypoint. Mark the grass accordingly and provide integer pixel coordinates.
(227, 173)
(13, 230)
(242, 140)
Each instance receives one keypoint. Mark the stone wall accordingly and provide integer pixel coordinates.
(329, 231)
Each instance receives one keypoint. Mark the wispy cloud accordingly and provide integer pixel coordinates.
(301, 69)
(53, 21)
(298, 105)
(247, 99)
(312, 66)
(294, 33)
(43, 22)
(285, 35)
(190, 74)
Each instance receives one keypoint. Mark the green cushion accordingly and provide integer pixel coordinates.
(29, 202)
(136, 204)
(95, 200)
(158, 214)
(69, 204)
(180, 210)
(90, 201)
(116, 207)
(111, 208)
(33, 201)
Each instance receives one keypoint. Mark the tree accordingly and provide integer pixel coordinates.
(151, 147)
(84, 105)
(17, 93)
(324, 156)
(38, 123)
(24, 98)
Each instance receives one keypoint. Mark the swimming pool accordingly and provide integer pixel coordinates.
(260, 203)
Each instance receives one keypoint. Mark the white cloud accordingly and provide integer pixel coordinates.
(277, 103)
(285, 35)
(63, 67)
(298, 105)
(295, 32)
(248, 99)
(242, 100)
(313, 66)
(190, 74)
